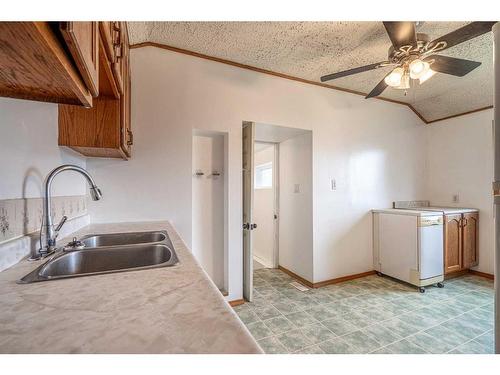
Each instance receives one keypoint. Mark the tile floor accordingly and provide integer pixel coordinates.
(370, 315)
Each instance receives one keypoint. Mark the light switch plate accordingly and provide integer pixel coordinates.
(333, 184)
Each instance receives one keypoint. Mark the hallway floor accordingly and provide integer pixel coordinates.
(370, 315)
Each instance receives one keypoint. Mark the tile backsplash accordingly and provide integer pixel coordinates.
(22, 216)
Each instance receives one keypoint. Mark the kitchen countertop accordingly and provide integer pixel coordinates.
(450, 210)
(164, 310)
(401, 211)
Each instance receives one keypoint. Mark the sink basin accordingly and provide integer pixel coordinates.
(115, 239)
(117, 252)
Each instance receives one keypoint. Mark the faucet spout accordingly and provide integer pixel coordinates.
(49, 245)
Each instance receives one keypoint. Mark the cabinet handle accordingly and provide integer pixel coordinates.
(118, 51)
(464, 221)
(116, 37)
(130, 141)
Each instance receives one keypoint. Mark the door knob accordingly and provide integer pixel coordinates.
(253, 226)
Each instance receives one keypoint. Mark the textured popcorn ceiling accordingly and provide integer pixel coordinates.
(311, 49)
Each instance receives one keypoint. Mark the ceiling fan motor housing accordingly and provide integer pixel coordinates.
(409, 52)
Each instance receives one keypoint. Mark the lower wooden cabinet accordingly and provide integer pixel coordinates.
(461, 234)
(470, 232)
(453, 243)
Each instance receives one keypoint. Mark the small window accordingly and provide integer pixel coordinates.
(264, 176)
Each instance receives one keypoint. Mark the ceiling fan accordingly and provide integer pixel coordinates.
(414, 56)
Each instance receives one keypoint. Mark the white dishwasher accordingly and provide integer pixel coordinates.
(408, 245)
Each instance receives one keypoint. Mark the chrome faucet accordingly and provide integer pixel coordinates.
(48, 246)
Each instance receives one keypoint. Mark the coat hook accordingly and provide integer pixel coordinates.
(215, 174)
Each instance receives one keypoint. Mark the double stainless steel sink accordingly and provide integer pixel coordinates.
(108, 253)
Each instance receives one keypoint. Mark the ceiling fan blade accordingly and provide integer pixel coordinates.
(349, 72)
(377, 90)
(452, 65)
(467, 32)
(401, 33)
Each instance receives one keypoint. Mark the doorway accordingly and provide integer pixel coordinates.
(277, 201)
(266, 199)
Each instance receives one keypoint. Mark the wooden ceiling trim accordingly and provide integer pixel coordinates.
(460, 114)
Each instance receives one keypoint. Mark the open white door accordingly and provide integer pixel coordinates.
(248, 226)
(496, 179)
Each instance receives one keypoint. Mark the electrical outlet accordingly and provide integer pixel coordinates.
(455, 198)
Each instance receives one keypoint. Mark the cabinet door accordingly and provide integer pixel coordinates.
(82, 39)
(452, 243)
(127, 137)
(119, 40)
(470, 239)
(107, 31)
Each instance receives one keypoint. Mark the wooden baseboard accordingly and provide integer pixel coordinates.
(454, 274)
(237, 302)
(297, 277)
(465, 272)
(326, 282)
(343, 278)
(482, 274)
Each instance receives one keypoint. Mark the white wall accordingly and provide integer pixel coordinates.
(29, 151)
(296, 206)
(263, 212)
(208, 206)
(375, 157)
(373, 149)
(460, 160)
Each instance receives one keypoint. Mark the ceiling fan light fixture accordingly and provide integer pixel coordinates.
(394, 78)
(418, 68)
(405, 82)
(424, 77)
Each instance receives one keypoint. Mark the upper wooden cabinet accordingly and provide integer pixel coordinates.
(107, 30)
(85, 67)
(461, 237)
(127, 135)
(82, 39)
(105, 129)
(35, 65)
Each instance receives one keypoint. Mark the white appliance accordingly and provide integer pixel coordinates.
(408, 245)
